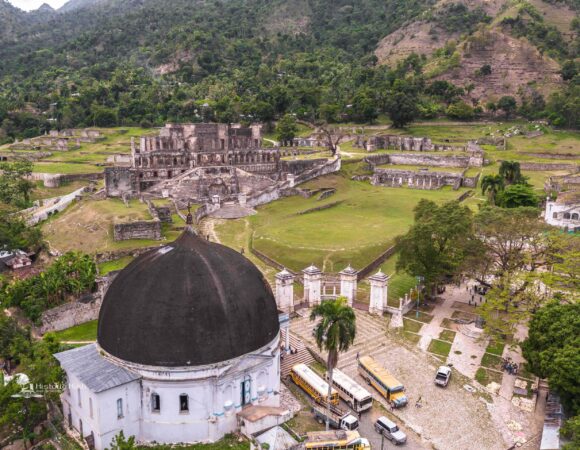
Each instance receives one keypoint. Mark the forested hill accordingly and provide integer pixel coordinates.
(131, 61)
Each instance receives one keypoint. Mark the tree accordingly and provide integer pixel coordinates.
(334, 333)
(518, 195)
(120, 442)
(332, 136)
(485, 70)
(508, 105)
(460, 110)
(402, 109)
(551, 350)
(569, 70)
(438, 242)
(15, 187)
(492, 185)
(512, 240)
(510, 172)
(287, 129)
(563, 261)
(15, 234)
(571, 431)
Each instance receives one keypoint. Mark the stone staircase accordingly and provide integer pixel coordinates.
(289, 360)
(370, 337)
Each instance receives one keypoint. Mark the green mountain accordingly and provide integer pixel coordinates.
(147, 61)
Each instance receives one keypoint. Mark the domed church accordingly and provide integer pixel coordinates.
(188, 338)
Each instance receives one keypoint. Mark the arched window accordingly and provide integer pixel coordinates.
(119, 408)
(91, 407)
(183, 403)
(155, 403)
(575, 216)
(566, 216)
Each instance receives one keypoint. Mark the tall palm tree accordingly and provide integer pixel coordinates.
(492, 184)
(510, 172)
(335, 333)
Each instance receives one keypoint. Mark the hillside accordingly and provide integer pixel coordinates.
(126, 62)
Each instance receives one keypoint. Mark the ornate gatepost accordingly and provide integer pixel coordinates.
(312, 284)
(348, 284)
(285, 291)
(379, 292)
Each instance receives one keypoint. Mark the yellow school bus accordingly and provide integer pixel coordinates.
(334, 440)
(314, 386)
(380, 378)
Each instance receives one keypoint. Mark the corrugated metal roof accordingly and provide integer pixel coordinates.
(94, 371)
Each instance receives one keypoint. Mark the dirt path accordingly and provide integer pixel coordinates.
(207, 228)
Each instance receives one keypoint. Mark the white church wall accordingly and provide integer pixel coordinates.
(109, 423)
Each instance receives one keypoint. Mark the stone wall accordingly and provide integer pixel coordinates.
(75, 313)
(120, 181)
(533, 166)
(406, 143)
(137, 230)
(470, 182)
(300, 165)
(421, 179)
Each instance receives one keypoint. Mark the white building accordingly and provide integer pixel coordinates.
(564, 212)
(188, 344)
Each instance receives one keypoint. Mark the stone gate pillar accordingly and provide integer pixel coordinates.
(312, 284)
(379, 292)
(285, 291)
(348, 284)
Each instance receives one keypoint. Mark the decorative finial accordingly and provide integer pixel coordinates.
(189, 218)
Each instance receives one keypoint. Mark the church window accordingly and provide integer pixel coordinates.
(79, 397)
(555, 215)
(119, 408)
(575, 216)
(567, 216)
(91, 407)
(155, 403)
(183, 403)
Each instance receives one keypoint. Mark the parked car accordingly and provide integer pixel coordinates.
(442, 376)
(390, 430)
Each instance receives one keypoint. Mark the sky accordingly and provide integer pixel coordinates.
(28, 5)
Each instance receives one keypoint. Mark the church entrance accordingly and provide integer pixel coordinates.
(246, 390)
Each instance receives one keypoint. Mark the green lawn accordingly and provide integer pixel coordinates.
(447, 335)
(491, 361)
(484, 376)
(84, 332)
(117, 264)
(419, 315)
(412, 337)
(355, 231)
(438, 347)
(495, 348)
(412, 325)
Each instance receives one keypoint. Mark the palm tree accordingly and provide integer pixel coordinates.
(335, 333)
(510, 171)
(492, 184)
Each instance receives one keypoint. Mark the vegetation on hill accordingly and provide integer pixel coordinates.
(147, 62)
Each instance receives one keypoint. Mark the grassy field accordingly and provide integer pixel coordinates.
(88, 225)
(84, 332)
(89, 157)
(354, 231)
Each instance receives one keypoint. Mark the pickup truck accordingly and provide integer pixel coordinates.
(442, 376)
(338, 419)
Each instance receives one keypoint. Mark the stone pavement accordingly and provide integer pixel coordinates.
(450, 418)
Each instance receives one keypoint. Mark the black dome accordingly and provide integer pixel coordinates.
(190, 303)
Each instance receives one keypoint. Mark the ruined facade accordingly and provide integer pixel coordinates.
(419, 179)
(55, 140)
(179, 148)
(206, 163)
(405, 143)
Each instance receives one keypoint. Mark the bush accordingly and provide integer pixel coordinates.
(461, 111)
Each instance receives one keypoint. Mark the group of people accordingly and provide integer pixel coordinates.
(509, 366)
